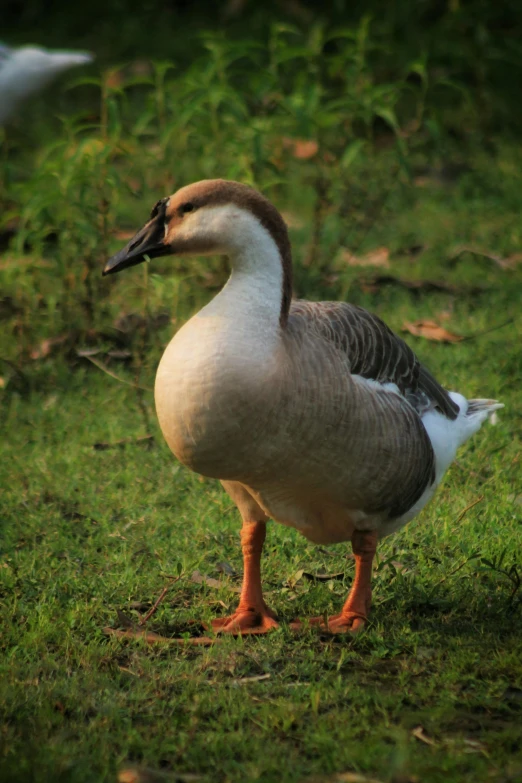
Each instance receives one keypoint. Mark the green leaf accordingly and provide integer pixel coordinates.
(352, 152)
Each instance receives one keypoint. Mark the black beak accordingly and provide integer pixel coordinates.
(148, 242)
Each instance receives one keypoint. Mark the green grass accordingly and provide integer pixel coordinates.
(87, 532)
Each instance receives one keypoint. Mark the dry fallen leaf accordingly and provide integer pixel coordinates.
(380, 257)
(152, 638)
(431, 330)
(255, 678)
(47, 346)
(420, 734)
(147, 775)
(303, 149)
(343, 777)
(201, 579)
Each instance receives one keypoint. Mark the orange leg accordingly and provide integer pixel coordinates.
(252, 615)
(355, 611)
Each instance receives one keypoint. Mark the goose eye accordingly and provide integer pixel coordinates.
(187, 207)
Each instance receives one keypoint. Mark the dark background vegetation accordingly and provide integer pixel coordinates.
(476, 43)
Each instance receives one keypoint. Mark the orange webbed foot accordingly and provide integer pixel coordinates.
(246, 621)
(344, 622)
(354, 614)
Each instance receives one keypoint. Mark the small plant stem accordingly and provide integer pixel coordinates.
(106, 370)
(455, 570)
(465, 510)
(320, 207)
(141, 405)
(517, 581)
(104, 114)
(159, 600)
(154, 608)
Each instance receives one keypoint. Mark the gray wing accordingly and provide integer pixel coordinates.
(375, 352)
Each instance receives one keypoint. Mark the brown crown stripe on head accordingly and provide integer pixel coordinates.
(215, 192)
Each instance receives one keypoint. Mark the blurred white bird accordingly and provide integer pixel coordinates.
(28, 69)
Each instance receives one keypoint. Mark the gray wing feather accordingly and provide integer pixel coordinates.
(375, 352)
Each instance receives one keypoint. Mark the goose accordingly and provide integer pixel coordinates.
(312, 414)
(29, 68)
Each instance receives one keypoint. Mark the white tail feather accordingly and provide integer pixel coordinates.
(483, 406)
(446, 436)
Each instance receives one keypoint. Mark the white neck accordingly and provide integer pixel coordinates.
(253, 292)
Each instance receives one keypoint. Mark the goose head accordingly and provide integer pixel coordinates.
(210, 217)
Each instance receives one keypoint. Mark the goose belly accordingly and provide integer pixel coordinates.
(321, 520)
